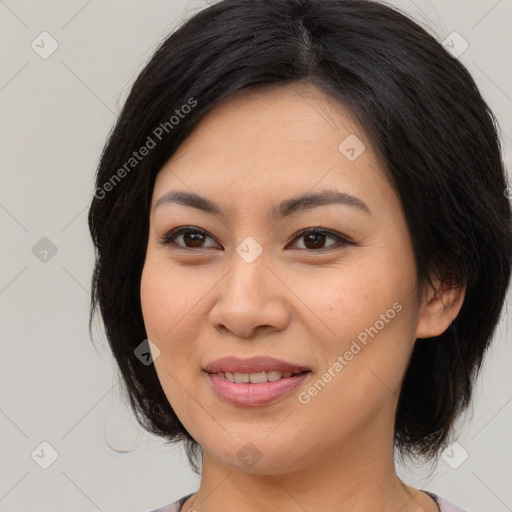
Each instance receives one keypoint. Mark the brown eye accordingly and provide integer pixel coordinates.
(191, 238)
(315, 239)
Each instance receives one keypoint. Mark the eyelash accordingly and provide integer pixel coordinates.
(342, 241)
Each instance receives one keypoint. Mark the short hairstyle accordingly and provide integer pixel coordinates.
(435, 137)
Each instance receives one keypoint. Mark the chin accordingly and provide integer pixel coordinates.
(258, 457)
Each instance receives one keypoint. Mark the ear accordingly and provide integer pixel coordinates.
(439, 308)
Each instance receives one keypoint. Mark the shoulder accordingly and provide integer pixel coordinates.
(173, 507)
(445, 505)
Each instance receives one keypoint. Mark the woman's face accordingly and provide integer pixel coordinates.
(242, 282)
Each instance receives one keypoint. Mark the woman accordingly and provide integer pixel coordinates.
(303, 248)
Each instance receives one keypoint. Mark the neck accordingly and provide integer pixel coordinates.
(357, 476)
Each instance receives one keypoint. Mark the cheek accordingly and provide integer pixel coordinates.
(347, 298)
(175, 303)
(169, 298)
(154, 300)
(170, 328)
(163, 305)
(367, 311)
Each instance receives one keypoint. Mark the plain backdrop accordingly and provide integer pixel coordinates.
(60, 389)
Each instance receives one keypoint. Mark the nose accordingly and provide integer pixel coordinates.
(251, 299)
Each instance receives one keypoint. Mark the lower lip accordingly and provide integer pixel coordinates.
(254, 395)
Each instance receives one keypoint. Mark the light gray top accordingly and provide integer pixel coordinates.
(442, 504)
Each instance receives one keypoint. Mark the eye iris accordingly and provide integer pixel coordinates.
(195, 238)
(316, 238)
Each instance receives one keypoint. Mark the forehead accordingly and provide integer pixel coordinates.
(289, 119)
(273, 143)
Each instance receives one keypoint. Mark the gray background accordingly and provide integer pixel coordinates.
(56, 387)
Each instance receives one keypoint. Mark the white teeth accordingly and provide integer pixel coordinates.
(242, 378)
(273, 376)
(254, 378)
(257, 378)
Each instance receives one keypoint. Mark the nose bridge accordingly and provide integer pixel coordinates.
(248, 270)
(245, 282)
(247, 299)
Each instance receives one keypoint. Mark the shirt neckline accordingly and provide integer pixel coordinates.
(182, 501)
(428, 493)
(434, 498)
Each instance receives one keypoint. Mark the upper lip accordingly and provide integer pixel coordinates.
(252, 365)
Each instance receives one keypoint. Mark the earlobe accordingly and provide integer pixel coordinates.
(439, 308)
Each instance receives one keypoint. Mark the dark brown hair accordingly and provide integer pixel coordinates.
(426, 120)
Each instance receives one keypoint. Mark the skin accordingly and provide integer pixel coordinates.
(294, 302)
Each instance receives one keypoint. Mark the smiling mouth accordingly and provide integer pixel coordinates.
(256, 377)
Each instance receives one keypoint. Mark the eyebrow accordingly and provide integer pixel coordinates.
(284, 209)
